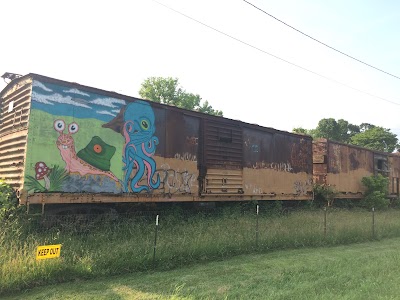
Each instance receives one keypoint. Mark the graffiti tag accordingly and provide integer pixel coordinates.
(176, 181)
(285, 167)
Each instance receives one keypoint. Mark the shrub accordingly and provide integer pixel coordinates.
(8, 200)
(376, 193)
(323, 195)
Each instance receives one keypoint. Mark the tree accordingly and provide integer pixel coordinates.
(365, 135)
(167, 91)
(376, 138)
(340, 131)
(301, 130)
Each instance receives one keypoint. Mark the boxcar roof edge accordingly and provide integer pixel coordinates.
(131, 98)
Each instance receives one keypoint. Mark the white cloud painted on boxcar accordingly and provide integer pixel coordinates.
(108, 102)
(41, 86)
(76, 91)
(105, 112)
(56, 98)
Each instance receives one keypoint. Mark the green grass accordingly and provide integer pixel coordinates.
(358, 271)
(113, 247)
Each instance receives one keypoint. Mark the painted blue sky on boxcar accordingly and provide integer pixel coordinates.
(66, 101)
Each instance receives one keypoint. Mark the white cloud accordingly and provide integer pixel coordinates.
(57, 98)
(116, 111)
(109, 102)
(76, 91)
(41, 86)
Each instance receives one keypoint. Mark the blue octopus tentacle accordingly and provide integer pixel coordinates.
(129, 160)
(150, 147)
(151, 170)
(135, 180)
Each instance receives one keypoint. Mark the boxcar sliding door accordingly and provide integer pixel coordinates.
(222, 161)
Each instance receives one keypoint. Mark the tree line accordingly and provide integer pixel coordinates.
(365, 135)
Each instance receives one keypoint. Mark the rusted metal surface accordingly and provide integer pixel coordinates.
(277, 151)
(14, 118)
(344, 166)
(277, 163)
(75, 198)
(224, 181)
(197, 157)
(223, 145)
(394, 175)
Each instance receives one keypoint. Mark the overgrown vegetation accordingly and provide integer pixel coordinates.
(376, 192)
(324, 195)
(357, 271)
(114, 246)
(8, 200)
(108, 245)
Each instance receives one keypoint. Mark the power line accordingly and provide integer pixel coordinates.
(277, 57)
(322, 43)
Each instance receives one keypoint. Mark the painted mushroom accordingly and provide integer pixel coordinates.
(42, 171)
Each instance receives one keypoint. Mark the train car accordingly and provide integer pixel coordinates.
(62, 142)
(342, 166)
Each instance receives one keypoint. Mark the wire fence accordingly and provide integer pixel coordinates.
(98, 244)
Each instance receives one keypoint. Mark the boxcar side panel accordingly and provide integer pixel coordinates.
(277, 164)
(83, 142)
(342, 166)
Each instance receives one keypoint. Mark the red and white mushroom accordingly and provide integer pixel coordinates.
(42, 171)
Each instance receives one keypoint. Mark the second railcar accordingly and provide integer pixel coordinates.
(342, 166)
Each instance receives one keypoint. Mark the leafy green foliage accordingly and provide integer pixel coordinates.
(376, 138)
(323, 195)
(376, 193)
(301, 130)
(340, 131)
(364, 135)
(167, 91)
(8, 200)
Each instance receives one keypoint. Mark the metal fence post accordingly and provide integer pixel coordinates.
(325, 212)
(155, 242)
(373, 222)
(257, 226)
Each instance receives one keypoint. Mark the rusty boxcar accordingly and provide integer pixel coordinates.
(343, 166)
(62, 142)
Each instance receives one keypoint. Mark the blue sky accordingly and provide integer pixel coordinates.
(63, 101)
(115, 45)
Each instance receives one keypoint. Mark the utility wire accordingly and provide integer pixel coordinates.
(322, 43)
(277, 57)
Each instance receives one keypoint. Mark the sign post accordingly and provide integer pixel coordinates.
(155, 242)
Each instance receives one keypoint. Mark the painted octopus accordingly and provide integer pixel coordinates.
(140, 146)
(66, 145)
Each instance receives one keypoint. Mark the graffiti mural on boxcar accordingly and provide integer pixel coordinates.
(102, 144)
(94, 159)
(176, 181)
(140, 146)
(67, 120)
